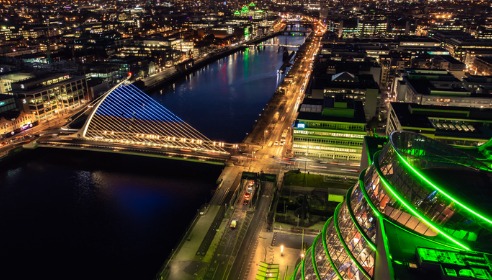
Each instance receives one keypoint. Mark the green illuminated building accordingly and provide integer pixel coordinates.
(329, 129)
(420, 210)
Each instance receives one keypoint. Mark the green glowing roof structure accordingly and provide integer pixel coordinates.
(420, 210)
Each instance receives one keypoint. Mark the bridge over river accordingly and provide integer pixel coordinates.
(127, 120)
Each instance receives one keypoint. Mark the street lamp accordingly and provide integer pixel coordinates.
(282, 250)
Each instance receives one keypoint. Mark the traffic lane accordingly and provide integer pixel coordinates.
(246, 251)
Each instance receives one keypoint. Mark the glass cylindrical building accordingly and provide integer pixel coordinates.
(424, 188)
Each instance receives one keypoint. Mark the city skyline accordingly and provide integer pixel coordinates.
(285, 97)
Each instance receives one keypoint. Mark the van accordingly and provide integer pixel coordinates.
(233, 224)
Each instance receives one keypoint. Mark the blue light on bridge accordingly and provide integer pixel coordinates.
(130, 102)
(127, 115)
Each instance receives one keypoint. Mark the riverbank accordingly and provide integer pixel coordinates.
(14, 150)
(201, 242)
(164, 78)
(277, 105)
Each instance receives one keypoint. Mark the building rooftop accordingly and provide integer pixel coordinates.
(437, 84)
(478, 188)
(330, 109)
(413, 256)
(403, 38)
(38, 78)
(362, 81)
(447, 120)
(487, 59)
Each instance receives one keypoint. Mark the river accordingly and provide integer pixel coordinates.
(83, 215)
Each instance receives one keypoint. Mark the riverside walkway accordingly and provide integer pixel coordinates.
(192, 255)
(195, 253)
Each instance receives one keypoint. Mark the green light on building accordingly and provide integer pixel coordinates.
(381, 224)
(335, 197)
(416, 213)
(441, 190)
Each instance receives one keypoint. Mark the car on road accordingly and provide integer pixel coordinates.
(233, 224)
(275, 143)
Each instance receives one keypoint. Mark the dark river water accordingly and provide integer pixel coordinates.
(83, 215)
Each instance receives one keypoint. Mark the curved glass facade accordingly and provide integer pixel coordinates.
(404, 184)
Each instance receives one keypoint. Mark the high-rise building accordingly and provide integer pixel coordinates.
(420, 210)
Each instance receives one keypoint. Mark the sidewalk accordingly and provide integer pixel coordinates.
(269, 251)
(184, 263)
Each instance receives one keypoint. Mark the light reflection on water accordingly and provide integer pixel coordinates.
(108, 217)
(117, 217)
(224, 100)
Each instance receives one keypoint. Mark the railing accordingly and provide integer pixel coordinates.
(212, 230)
(164, 271)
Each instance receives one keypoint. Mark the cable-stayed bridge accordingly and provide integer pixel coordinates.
(127, 120)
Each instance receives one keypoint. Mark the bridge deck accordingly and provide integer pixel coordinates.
(209, 157)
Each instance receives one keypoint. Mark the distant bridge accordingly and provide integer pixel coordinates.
(282, 45)
(295, 32)
(126, 120)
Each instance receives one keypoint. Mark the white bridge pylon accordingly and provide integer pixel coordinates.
(127, 115)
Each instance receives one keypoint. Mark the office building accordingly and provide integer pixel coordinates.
(420, 210)
(438, 87)
(51, 94)
(456, 126)
(329, 129)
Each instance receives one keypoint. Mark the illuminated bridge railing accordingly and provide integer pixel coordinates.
(127, 115)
